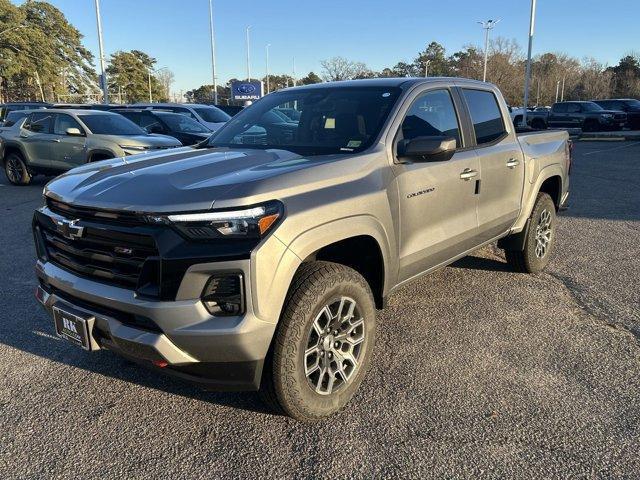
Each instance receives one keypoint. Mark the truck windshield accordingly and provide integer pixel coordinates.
(110, 124)
(212, 114)
(330, 120)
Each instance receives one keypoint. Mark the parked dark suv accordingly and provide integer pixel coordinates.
(630, 106)
(176, 125)
(588, 116)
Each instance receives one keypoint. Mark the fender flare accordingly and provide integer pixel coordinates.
(312, 240)
(554, 170)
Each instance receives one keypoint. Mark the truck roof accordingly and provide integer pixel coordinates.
(402, 82)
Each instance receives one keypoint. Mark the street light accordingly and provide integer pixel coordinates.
(149, 72)
(488, 25)
(213, 55)
(426, 67)
(248, 57)
(266, 48)
(105, 90)
(527, 76)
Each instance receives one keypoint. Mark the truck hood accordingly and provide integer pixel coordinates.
(182, 179)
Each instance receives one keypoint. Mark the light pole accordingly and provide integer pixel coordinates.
(557, 90)
(426, 67)
(266, 48)
(488, 25)
(213, 54)
(562, 94)
(294, 72)
(105, 90)
(149, 72)
(248, 56)
(527, 76)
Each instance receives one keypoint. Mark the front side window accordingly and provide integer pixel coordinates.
(432, 114)
(332, 120)
(63, 122)
(560, 107)
(40, 122)
(110, 124)
(591, 107)
(488, 123)
(573, 108)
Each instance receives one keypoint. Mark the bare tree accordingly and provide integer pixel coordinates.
(165, 77)
(339, 68)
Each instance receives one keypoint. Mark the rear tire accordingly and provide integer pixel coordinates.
(16, 170)
(323, 344)
(540, 238)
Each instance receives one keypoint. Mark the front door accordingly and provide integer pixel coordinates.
(437, 200)
(68, 151)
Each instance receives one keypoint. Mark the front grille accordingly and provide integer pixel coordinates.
(105, 254)
(86, 213)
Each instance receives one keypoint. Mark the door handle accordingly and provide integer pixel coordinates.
(55, 140)
(513, 163)
(468, 174)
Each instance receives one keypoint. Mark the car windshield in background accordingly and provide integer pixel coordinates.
(110, 124)
(211, 114)
(633, 103)
(591, 107)
(332, 120)
(182, 123)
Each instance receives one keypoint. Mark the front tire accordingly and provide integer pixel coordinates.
(16, 170)
(540, 238)
(323, 345)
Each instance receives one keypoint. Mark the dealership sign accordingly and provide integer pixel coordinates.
(246, 90)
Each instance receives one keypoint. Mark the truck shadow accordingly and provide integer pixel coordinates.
(34, 334)
(472, 262)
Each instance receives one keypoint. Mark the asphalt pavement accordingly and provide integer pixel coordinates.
(478, 371)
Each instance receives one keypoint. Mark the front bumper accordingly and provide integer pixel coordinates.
(180, 337)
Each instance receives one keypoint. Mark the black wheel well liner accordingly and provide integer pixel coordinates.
(363, 254)
(105, 154)
(553, 187)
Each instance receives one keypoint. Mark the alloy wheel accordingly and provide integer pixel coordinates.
(543, 233)
(334, 346)
(14, 170)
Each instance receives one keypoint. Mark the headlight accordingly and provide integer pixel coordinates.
(606, 115)
(252, 222)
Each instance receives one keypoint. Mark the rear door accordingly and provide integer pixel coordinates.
(68, 151)
(575, 116)
(437, 206)
(501, 163)
(36, 136)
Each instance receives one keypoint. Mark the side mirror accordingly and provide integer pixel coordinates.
(74, 132)
(427, 149)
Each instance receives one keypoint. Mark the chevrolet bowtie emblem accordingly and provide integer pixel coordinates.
(69, 229)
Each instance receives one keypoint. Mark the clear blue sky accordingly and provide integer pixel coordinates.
(377, 32)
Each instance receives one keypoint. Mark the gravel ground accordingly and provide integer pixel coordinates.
(478, 372)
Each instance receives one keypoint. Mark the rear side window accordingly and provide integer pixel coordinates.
(40, 122)
(488, 123)
(432, 114)
(63, 122)
(559, 108)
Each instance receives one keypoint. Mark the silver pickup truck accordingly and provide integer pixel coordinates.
(257, 259)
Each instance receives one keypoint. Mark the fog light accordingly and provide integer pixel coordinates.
(224, 295)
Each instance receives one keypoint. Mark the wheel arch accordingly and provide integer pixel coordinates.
(99, 152)
(359, 242)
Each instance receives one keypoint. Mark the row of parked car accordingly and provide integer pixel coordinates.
(590, 116)
(39, 138)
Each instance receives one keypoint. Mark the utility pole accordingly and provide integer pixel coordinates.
(538, 94)
(562, 94)
(248, 57)
(557, 89)
(105, 89)
(213, 54)
(527, 76)
(488, 25)
(267, 64)
(426, 67)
